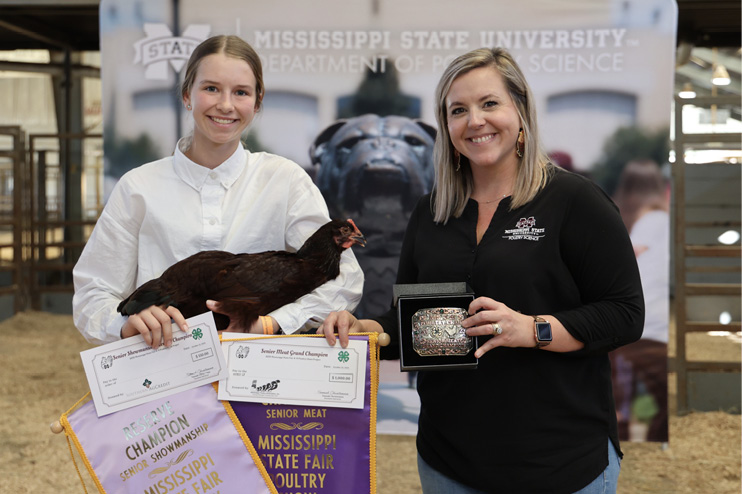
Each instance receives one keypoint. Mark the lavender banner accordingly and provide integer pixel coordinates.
(184, 444)
(317, 450)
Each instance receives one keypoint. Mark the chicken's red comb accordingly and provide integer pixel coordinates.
(354, 225)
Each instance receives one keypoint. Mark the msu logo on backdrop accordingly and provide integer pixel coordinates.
(160, 48)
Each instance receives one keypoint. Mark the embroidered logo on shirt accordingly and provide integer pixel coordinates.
(525, 229)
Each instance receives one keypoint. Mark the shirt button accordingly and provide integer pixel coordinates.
(212, 221)
(213, 175)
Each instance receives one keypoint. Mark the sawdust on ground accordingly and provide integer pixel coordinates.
(44, 378)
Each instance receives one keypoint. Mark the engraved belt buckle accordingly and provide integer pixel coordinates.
(438, 331)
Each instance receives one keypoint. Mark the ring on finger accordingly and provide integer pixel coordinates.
(496, 329)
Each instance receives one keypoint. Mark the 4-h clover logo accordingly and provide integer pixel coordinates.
(343, 356)
(197, 334)
(146, 383)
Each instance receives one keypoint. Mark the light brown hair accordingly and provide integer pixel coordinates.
(231, 46)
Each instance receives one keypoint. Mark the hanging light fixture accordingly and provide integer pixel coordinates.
(720, 76)
(687, 92)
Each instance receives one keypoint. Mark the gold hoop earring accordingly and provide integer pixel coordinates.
(520, 144)
(458, 160)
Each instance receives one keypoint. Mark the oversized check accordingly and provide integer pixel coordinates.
(295, 371)
(130, 372)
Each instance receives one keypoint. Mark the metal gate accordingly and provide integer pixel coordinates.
(707, 274)
(50, 197)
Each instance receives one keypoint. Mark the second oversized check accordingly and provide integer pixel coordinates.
(295, 371)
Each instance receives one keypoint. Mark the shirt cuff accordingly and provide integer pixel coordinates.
(292, 321)
(113, 331)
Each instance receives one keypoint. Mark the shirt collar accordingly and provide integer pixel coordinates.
(196, 175)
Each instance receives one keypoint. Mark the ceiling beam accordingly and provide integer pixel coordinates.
(34, 31)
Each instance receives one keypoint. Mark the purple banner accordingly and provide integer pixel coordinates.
(313, 450)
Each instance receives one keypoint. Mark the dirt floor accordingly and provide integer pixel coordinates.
(44, 378)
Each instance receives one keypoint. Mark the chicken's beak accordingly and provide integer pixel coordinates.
(357, 238)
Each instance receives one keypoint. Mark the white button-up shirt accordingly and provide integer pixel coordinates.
(164, 211)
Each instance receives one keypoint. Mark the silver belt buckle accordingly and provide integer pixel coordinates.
(438, 332)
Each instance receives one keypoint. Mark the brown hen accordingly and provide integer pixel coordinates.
(247, 285)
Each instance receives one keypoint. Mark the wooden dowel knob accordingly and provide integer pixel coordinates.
(384, 339)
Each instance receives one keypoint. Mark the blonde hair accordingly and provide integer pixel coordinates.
(232, 46)
(452, 189)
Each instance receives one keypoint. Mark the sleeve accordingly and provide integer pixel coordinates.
(307, 212)
(598, 253)
(107, 269)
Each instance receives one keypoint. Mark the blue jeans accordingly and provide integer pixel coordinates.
(434, 482)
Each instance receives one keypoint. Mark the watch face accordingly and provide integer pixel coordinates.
(543, 331)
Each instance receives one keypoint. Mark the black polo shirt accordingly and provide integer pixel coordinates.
(527, 420)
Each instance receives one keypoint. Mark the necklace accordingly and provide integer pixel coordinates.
(493, 200)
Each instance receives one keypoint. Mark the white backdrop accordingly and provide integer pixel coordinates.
(594, 65)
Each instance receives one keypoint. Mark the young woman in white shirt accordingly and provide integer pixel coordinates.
(211, 194)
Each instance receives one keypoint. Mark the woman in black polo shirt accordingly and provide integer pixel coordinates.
(557, 286)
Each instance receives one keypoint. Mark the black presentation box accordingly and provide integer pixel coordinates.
(409, 299)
